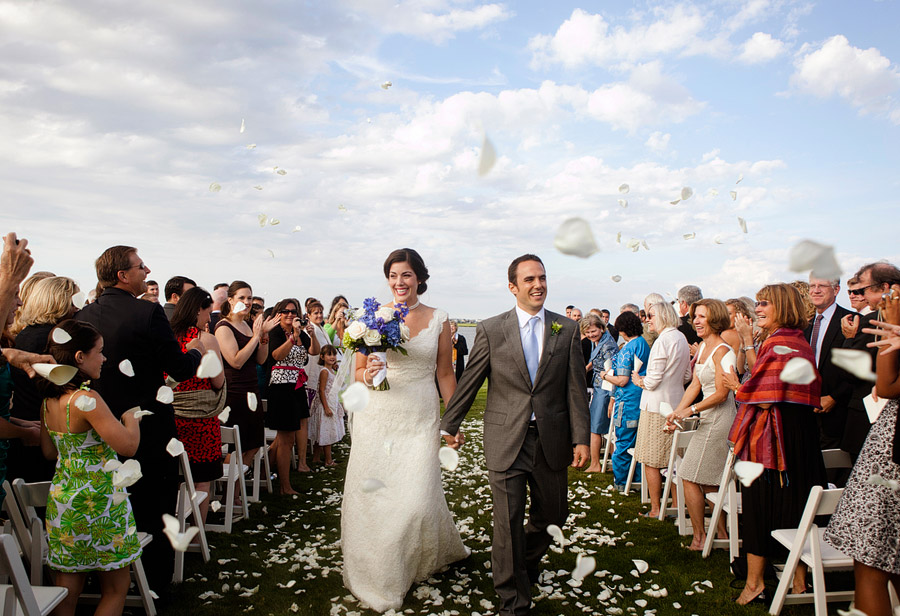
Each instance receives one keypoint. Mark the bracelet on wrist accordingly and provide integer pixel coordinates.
(366, 383)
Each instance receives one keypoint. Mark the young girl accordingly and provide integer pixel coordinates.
(89, 521)
(327, 416)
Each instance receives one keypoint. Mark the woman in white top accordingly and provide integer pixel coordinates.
(705, 457)
(668, 369)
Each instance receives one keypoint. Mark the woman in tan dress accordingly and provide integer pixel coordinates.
(668, 369)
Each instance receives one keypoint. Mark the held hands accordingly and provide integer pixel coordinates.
(849, 326)
(581, 456)
(455, 442)
(637, 379)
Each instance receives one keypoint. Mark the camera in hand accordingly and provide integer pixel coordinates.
(304, 321)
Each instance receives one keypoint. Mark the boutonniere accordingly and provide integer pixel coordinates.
(555, 328)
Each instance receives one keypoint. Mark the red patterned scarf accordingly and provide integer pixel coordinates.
(756, 432)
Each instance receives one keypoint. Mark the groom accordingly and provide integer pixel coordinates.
(536, 413)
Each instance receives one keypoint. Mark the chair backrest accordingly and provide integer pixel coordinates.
(820, 502)
(19, 525)
(836, 458)
(31, 496)
(232, 436)
(11, 565)
(184, 467)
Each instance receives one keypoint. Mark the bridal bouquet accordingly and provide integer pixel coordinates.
(376, 329)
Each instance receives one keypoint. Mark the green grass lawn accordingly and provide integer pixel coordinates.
(287, 559)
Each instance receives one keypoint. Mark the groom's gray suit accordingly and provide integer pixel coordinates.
(521, 452)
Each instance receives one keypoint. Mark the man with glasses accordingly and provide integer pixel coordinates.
(857, 296)
(824, 334)
(139, 332)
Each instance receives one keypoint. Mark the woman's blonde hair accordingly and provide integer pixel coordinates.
(790, 309)
(591, 320)
(49, 301)
(665, 316)
(24, 293)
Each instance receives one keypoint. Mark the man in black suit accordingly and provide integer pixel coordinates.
(824, 334)
(460, 350)
(219, 297)
(175, 288)
(686, 296)
(139, 332)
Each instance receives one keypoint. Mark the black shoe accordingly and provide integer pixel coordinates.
(533, 575)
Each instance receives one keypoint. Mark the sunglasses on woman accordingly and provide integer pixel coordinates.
(288, 312)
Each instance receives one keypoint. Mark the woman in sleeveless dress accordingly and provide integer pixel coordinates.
(707, 452)
(403, 532)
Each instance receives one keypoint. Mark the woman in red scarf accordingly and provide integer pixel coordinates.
(776, 426)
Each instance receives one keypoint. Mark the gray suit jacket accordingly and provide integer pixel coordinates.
(558, 398)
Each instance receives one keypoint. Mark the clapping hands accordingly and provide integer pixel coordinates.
(890, 342)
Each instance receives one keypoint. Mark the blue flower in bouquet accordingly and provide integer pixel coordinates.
(376, 329)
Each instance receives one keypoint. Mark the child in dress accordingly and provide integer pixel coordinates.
(327, 409)
(89, 521)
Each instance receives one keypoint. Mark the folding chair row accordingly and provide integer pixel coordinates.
(188, 508)
(232, 478)
(21, 596)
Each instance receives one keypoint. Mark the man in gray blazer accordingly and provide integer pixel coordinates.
(536, 416)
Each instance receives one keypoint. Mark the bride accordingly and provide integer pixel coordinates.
(403, 532)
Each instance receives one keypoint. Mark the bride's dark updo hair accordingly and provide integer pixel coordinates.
(408, 255)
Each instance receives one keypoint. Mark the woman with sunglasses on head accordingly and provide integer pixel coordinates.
(776, 426)
(290, 346)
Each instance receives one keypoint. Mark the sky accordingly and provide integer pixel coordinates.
(121, 124)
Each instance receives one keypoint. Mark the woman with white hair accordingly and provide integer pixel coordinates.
(668, 369)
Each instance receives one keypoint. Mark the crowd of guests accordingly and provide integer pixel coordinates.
(648, 371)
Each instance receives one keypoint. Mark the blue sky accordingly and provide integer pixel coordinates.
(117, 120)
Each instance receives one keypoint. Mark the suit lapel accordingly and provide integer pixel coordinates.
(549, 344)
(514, 340)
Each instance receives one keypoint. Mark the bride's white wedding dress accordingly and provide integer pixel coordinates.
(403, 532)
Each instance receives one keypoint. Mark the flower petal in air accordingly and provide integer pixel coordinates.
(449, 458)
(111, 465)
(371, 485)
(747, 472)
(686, 193)
(810, 255)
(141, 413)
(743, 224)
(644, 244)
(223, 416)
(240, 307)
(281, 171)
(78, 300)
(271, 252)
(676, 202)
(210, 366)
(733, 194)
(165, 395)
(857, 363)
(689, 236)
(119, 497)
(60, 336)
(215, 506)
(623, 202)
(297, 229)
(619, 237)
(58, 374)
(356, 398)
(127, 474)
(665, 409)
(624, 188)
(783, 350)
(740, 177)
(616, 278)
(718, 239)
(488, 157)
(180, 541)
(263, 220)
(556, 532)
(386, 85)
(274, 221)
(713, 192)
(126, 368)
(574, 237)
(798, 371)
(175, 447)
(251, 401)
(214, 187)
(341, 208)
(86, 404)
(243, 126)
(584, 566)
(878, 480)
(251, 146)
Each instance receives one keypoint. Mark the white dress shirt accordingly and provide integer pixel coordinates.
(524, 317)
(823, 327)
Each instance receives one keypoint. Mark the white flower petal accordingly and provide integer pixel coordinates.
(271, 252)
(180, 541)
(619, 237)
(780, 349)
(616, 278)
(878, 480)
(665, 409)
(689, 236)
(119, 497)
(676, 202)
(111, 465)
(251, 401)
(747, 472)
(341, 208)
(274, 221)
(60, 336)
(210, 366)
(686, 193)
(371, 485)
(584, 566)
(641, 565)
(263, 220)
(126, 368)
(86, 403)
(624, 188)
(574, 237)
(713, 192)
(718, 239)
(258, 187)
(127, 474)
(243, 126)
(623, 202)
(449, 458)
(215, 506)
(386, 85)
(644, 244)
(214, 187)
(733, 194)
(251, 146)
(175, 447)
(240, 307)
(740, 177)
(488, 157)
(356, 398)
(281, 172)
(165, 395)
(857, 363)
(743, 224)
(78, 300)
(556, 532)
(820, 258)
(296, 229)
(798, 371)
(223, 416)
(142, 413)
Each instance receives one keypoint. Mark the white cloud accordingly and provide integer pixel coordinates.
(435, 20)
(761, 47)
(657, 141)
(863, 77)
(587, 38)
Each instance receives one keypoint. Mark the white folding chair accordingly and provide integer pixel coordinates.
(630, 480)
(806, 544)
(233, 473)
(680, 441)
(610, 447)
(21, 597)
(29, 496)
(727, 500)
(262, 473)
(188, 508)
(24, 529)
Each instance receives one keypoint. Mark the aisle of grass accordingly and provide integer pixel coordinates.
(286, 558)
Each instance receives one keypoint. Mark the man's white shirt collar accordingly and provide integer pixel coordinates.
(524, 317)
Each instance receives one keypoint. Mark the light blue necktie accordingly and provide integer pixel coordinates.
(530, 346)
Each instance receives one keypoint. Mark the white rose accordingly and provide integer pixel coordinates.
(404, 332)
(356, 330)
(372, 338)
(386, 313)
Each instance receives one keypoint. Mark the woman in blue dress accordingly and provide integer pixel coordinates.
(627, 397)
(603, 349)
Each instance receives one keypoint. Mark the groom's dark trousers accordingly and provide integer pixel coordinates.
(522, 453)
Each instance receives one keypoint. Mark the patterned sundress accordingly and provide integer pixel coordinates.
(87, 530)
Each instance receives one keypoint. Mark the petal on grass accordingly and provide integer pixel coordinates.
(641, 565)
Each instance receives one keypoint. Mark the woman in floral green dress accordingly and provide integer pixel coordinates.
(90, 525)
